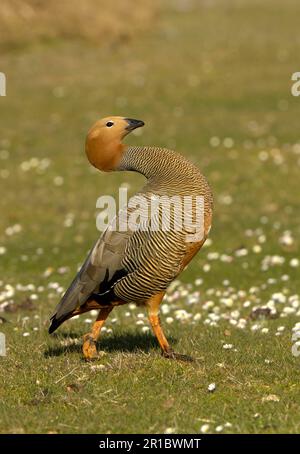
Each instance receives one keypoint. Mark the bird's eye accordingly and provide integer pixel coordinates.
(109, 124)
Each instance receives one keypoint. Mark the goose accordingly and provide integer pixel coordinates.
(137, 265)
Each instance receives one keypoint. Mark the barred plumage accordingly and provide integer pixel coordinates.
(154, 260)
(138, 264)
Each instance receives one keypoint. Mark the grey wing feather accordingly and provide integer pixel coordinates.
(103, 261)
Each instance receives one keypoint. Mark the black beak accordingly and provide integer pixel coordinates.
(133, 124)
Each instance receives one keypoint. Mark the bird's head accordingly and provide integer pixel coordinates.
(104, 147)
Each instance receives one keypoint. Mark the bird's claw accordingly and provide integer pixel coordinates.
(170, 354)
(89, 348)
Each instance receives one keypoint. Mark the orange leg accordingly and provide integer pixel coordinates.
(90, 339)
(153, 313)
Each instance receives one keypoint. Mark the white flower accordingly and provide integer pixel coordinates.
(289, 310)
(181, 314)
(16, 228)
(214, 317)
(214, 141)
(58, 181)
(198, 281)
(255, 327)
(279, 297)
(241, 252)
(263, 155)
(294, 263)
(170, 430)
(228, 142)
(228, 302)
(235, 314)
(226, 258)
(225, 199)
(211, 387)
(204, 428)
(165, 309)
(296, 327)
(256, 249)
(294, 301)
(208, 305)
(213, 255)
(286, 238)
(242, 323)
(192, 299)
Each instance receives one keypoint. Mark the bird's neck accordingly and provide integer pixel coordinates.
(154, 163)
(168, 172)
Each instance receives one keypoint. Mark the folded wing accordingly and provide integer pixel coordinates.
(97, 275)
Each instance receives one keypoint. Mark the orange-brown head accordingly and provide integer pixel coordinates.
(104, 147)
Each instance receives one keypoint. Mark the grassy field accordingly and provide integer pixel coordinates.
(25, 21)
(212, 81)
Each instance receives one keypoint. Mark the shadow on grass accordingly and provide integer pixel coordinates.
(128, 342)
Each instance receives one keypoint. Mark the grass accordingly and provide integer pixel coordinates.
(25, 21)
(220, 71)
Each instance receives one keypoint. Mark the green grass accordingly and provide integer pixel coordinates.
(222, 71)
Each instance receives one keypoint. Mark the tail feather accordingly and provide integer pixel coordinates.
(103, 261)
(56, 322)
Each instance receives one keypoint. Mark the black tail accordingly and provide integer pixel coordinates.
(56, 322)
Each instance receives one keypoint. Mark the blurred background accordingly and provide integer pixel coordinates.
(211, 79)
(28, 21)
